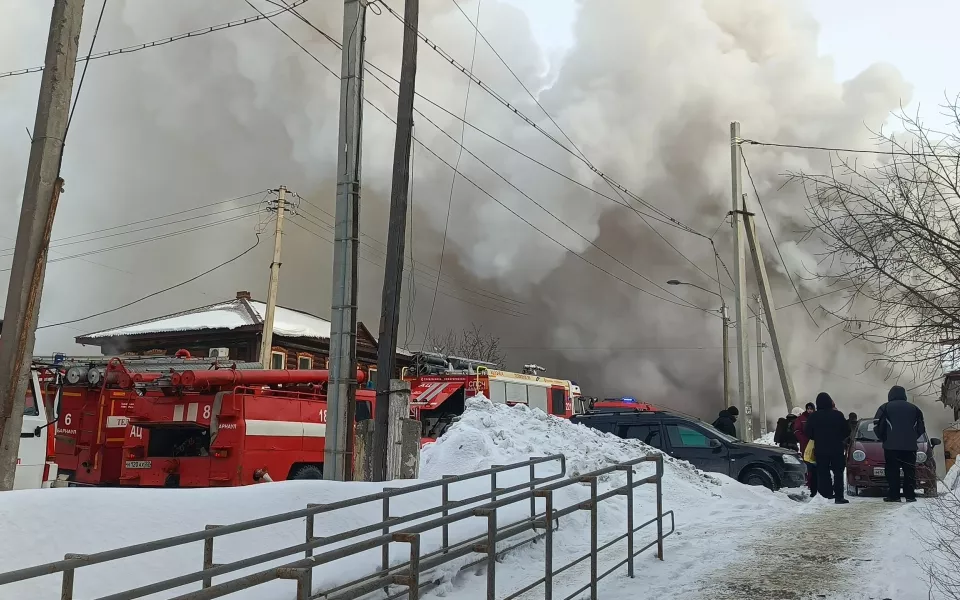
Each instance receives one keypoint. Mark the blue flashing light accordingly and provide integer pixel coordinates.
(627, 400)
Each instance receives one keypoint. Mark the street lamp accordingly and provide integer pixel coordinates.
(726, 325)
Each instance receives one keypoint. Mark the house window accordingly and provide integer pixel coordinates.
(372, 378)
(278, 360)
(304, 361)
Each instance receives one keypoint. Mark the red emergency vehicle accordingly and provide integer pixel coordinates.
(440, 389)
(226, 427)
(96, 397)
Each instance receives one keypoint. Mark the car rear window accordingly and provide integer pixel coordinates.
(866, 433)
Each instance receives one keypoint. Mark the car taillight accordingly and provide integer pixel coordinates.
(135, 453)
(221, 453)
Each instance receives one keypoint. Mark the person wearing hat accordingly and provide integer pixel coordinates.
(785, 435)
(726, 422)
(828, 430)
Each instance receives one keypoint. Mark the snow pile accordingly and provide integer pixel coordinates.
(950, 480)
(766, 439)
(496, 434)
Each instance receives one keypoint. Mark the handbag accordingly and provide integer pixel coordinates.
(808, 454)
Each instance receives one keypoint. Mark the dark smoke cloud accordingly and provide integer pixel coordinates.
(647, 91)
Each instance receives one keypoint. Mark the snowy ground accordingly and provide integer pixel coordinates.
(732, 541)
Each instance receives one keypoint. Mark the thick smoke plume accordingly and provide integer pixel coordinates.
(646, 91)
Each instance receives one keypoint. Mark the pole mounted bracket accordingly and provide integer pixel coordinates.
(745, 213)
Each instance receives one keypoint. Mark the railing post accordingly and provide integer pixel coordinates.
(208, 556)
(493, 484)
(492, 555)
(444, 500)
(660, 506)
(548, 542)
(533, 499)
(66, 588)
(594, 559)
(385, 549)
(301, 575)
(630, 521)
(412, 581)
(309, 551)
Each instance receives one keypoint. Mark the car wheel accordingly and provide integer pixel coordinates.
(307, 472)
(759, 477)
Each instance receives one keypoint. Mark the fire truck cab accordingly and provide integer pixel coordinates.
(443, 384)
(96, 398)
(36, 467)
(227, 428)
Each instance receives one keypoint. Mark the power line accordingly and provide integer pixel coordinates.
(83, 76)
(164, 41)
(151, 219)
(150, 239)
(801, 301)
(5, 253)
(852, 150)
(610, 181)
(429, 272)
(476, 27)
(453, 180)
(498, 201)
(503, 311)
(157, 293)
(775, 244)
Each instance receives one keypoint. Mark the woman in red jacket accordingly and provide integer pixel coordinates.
(798, 429)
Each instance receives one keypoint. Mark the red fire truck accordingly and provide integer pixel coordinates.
(442, 384)
(95, 400)
(226, 427)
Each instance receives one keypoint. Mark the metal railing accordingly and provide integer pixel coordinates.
(412, 573)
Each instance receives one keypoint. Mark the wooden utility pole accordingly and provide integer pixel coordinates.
(737, 216)
(726, 353)
(266, 358)
(761, 400)
(393, 272)
(766, 297)
(342, 390)
(41, 192)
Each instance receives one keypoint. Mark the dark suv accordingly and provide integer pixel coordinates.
(706, 448)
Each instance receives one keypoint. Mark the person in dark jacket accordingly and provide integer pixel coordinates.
(828, 429)
(899, 425)
(799, 430)
(726, 422)
(785, 436)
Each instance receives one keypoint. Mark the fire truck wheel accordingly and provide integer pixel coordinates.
(306, 472)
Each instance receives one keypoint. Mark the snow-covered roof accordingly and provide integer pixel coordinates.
(233, 314)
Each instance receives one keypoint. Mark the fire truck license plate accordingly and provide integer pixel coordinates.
(139, 464)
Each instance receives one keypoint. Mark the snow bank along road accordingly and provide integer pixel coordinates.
(732, 541)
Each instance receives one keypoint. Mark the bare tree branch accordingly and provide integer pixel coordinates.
(471, 342)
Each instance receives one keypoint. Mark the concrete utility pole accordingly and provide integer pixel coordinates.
(763, 282)
(41, 191)
(341, 399)
(726, 354)
(739, 272)
(761, 406)
(393, 272)
(266, 356)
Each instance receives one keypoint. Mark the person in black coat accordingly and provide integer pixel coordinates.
(726, 422)
(899, 425)
(829, 429)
